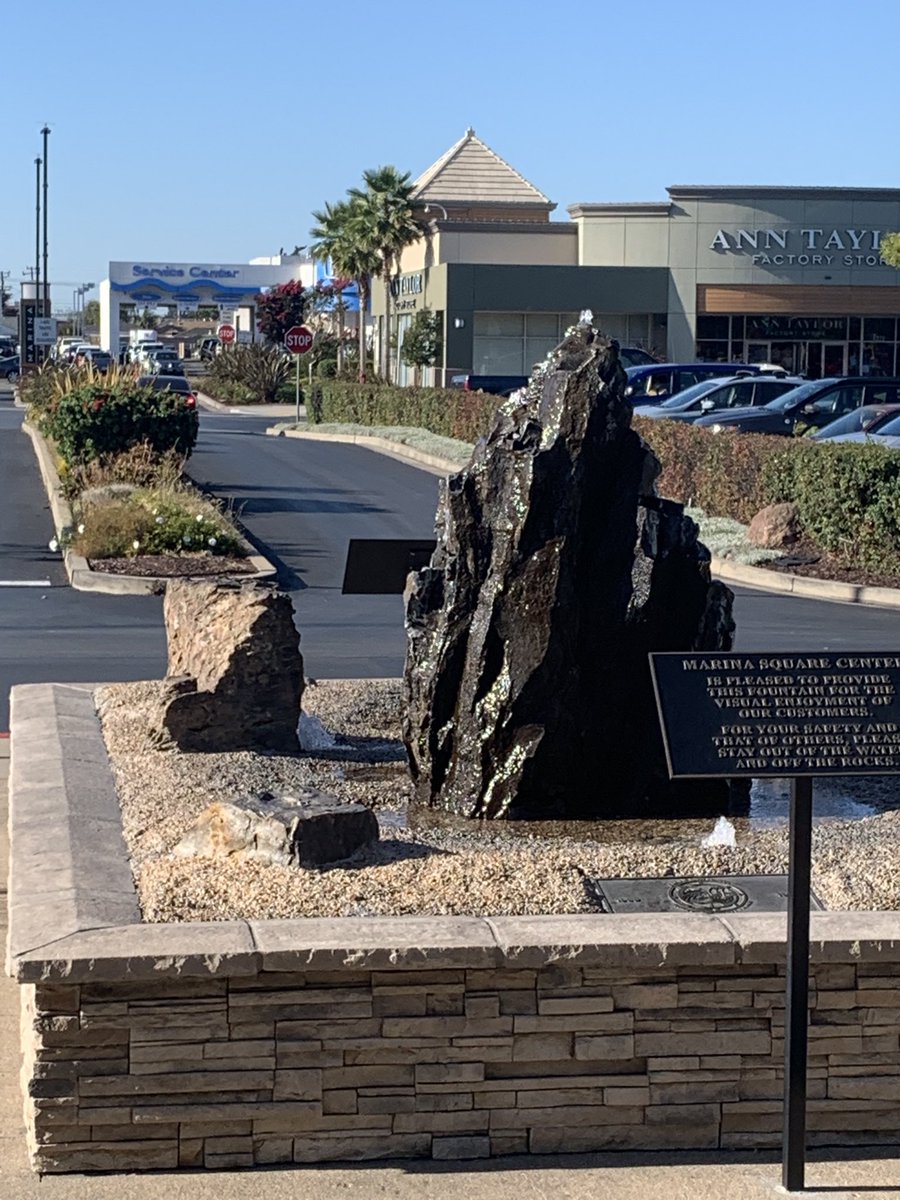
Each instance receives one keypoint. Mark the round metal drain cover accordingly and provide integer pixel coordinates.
(708, 895)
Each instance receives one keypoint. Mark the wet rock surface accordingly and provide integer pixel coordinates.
(557, 570)
(234, 678)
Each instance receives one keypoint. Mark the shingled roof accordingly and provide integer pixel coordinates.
(471, 173)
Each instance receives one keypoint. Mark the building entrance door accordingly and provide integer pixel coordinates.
(820, 360)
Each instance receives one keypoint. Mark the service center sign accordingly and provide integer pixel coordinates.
(778, 715)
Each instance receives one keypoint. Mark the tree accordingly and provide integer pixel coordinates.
(92, 313)
(890, 249)
(421, 342)
(386, 220)
(280, 308)
(340, 236)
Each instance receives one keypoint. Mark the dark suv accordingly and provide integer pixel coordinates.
(809, 406)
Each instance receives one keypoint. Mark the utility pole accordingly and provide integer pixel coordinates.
(45, 133)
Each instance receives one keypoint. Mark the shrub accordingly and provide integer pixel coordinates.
(248, 374)
(451, 412)
(168, 519)
(97, 420)
(847, 496)
(141, 466)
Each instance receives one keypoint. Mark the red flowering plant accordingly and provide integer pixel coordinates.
(280, 308)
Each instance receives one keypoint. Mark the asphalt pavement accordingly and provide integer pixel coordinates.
(48, 632)
(302, 502)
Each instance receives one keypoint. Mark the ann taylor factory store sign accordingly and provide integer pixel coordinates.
(803, 247)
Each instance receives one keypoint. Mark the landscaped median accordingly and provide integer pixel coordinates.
(244, 1042)
(111, 455)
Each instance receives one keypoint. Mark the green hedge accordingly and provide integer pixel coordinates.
(96, 421)
(847, 496)
(451, 412)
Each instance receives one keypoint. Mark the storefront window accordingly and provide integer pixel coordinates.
(877, 358)
(715, 328)
(878, 329)
(490, 324)
(712, 351)
(513, 343)
(542, 325)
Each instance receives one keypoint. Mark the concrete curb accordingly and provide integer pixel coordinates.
(722, 568)
(384, 445)
(81, 577)
(250, 410)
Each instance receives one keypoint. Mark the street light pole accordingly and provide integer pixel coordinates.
(37, 232)
(45, 133)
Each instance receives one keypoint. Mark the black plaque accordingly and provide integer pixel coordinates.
(712, 895)
(379, 566)
(779, 715)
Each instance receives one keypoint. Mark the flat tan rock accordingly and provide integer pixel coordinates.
(305, 829)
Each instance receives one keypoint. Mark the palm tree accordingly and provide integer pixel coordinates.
(330, 228)
(387, 220)
(341, 236)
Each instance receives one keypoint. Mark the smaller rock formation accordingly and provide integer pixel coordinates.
(775, 526)
(303, 829)
(235, 674)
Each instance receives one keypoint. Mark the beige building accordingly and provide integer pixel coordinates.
(792, 275)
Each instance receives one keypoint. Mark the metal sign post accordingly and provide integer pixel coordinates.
(297, 388)
(793, 1156)
(782, 715)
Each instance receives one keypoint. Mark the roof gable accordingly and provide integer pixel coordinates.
(470, 172)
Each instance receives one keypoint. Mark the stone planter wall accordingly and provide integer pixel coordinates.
(251, 1042)
(447, 1063)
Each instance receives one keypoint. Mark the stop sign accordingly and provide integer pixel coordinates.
(226, 334)
(298, 339)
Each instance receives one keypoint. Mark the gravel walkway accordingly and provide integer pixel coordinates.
(488, 870)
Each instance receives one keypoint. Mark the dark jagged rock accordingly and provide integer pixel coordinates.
(557, 569)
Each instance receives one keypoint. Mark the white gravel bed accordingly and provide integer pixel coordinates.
(480, 870)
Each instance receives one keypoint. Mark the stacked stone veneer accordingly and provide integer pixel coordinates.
(447, 1063)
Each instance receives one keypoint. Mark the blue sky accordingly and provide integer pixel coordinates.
(208, 133)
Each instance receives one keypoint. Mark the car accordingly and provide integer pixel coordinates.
(633, 356)
(163, 362)
(93, 356)
(711, 395)
(809, 406)
(208, 349)
(867, 419)
(170, 383)
(9, 367)
(884, 432)
(649, 384)
(141, 352)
